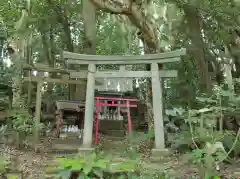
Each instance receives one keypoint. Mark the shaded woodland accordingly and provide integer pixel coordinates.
(201, 106)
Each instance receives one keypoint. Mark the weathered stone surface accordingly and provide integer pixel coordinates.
(236, 174)
(63, 149)
(85, 151)
(159, 155)
(160, 152)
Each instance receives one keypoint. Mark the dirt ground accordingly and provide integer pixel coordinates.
(33, 165)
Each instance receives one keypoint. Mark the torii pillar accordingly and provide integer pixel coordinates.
(89, 107)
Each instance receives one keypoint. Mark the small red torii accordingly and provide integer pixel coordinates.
(99, 104)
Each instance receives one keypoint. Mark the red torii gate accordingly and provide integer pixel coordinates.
(99, 104)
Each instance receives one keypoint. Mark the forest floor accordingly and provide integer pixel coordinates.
(33, 164)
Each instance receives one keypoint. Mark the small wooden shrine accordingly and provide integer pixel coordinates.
(41, 78)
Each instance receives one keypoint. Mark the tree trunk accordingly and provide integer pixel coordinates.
(29, 61)
(62, 18)
(50, 59)
(89, 18)
(148, 97)
(197, 47)
(18, 103)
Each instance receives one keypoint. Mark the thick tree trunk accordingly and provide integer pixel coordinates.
(29, 61)
(197, 47)
(50, 59)
(70, 48)
(19, 109)
(50, 105)
(64, 21)
(148, 96)
(89, 18)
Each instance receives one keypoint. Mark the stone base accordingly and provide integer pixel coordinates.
(85, 151)
(160, 152)
(64, 149)
(158, 155)
(236, 174)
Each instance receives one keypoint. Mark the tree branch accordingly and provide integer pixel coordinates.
(114, 6)
(63, 19)
(57, 10)
(145, 26)
(147, 30)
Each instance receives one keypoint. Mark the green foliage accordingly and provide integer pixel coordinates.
(204, 136)
(138, 144)
(24, 125)
(91, 166)
(4, 164)
(57, 25)
(22, 121)
(228, 142)
(204, 123)
(2, 136)
(150, 174)
(206, 162)
(4, 86)
(4, 99)
(8, 168)
(83, 165)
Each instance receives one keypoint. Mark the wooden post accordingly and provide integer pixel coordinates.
(89, 107)
(121, 81)
(129, 118)
(38, 111)
(157, 107)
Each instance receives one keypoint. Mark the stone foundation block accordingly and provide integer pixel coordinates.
(85, 151)
(158, 155)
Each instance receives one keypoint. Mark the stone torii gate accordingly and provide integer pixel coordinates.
(155, 74)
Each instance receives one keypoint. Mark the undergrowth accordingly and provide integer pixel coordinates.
(205, 136)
